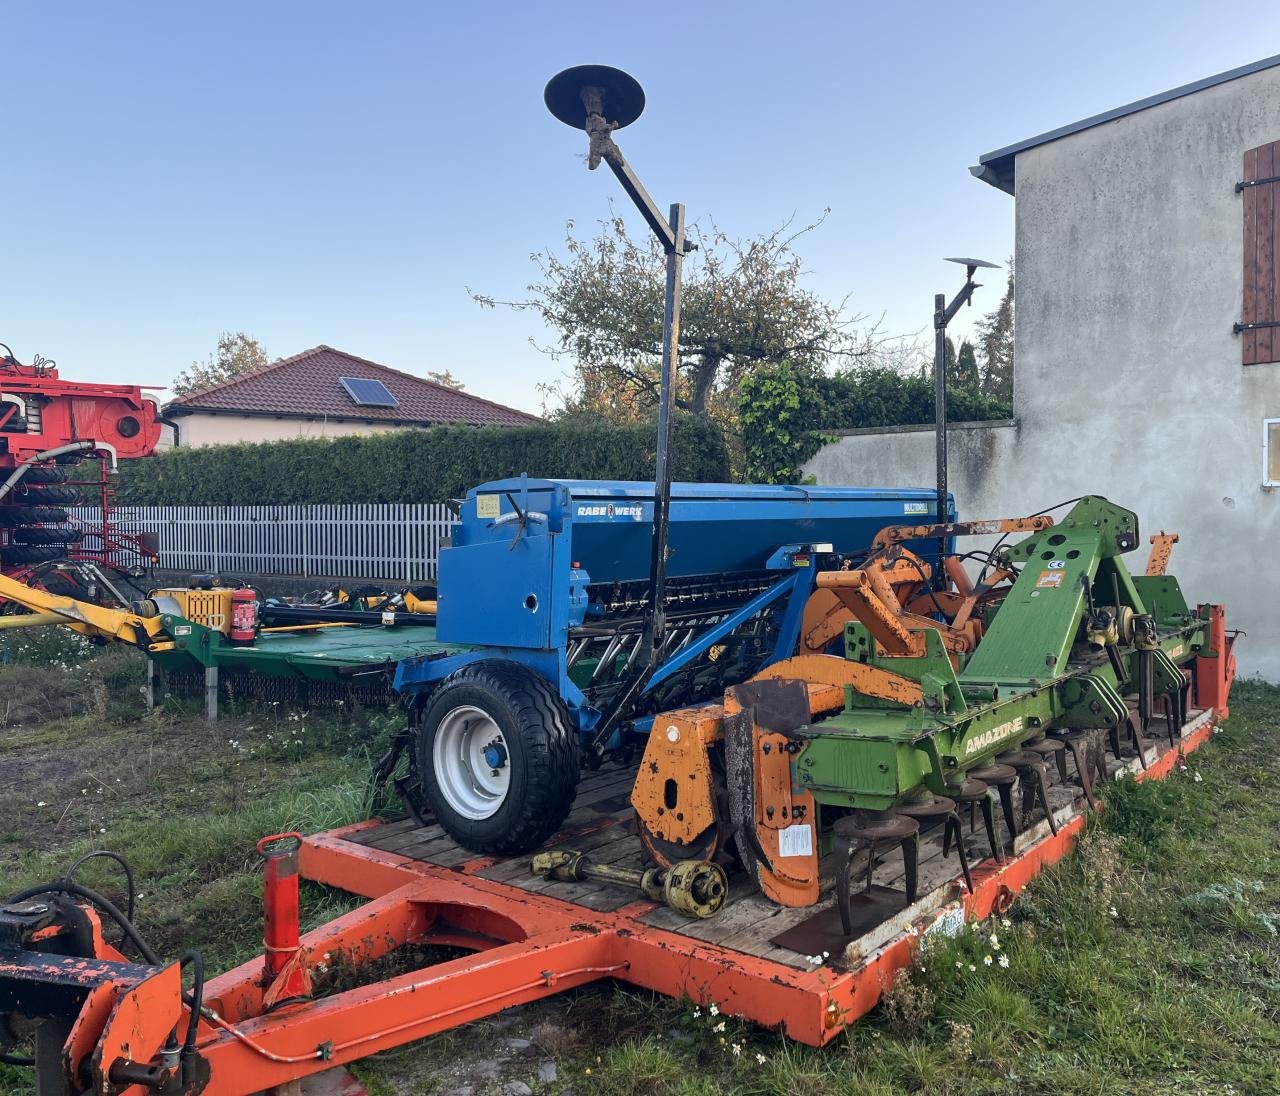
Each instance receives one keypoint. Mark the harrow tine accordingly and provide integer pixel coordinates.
(910, 858)
(1113, 735)
(1002, 777)
(1166, 703)
(952, 824)
(1041, 787)
(989, 821)
(1083, 762)
(1030, 768)
(1139, 744)
(1099, 753)
(854, 834)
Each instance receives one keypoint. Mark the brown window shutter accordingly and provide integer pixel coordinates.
(1261, 255)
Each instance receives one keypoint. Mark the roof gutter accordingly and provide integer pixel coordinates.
(320, 416)
(991, 177)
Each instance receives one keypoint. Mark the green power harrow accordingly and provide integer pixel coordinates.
(943, 697)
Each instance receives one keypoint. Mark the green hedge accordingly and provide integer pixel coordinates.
(430, 465)
(789, 412)
(876, 396)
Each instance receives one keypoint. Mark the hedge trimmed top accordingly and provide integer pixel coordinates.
(428, 465)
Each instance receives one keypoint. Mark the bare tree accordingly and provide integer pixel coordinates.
(445, 378)
(743, 306)
(237, 354)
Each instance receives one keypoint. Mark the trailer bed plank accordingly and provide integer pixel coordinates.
(602, 825)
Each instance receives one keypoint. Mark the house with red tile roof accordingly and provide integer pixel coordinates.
(326, 393)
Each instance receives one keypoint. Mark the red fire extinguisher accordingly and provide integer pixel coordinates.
(244, 615)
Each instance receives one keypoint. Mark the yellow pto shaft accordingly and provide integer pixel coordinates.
(30, 620)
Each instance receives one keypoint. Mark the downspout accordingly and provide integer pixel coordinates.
(172, 424)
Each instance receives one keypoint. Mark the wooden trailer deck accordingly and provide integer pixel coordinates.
(601, 824)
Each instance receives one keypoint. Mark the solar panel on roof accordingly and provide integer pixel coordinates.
(366, 392)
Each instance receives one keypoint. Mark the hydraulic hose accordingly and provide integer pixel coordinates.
(103, 903)
(107, 854)
(195, 999)
(48, 454)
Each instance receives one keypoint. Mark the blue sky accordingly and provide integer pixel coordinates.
(340, 173)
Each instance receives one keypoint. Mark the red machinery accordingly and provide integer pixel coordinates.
(47, 427)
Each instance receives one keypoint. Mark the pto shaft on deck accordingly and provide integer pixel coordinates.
(694, 887)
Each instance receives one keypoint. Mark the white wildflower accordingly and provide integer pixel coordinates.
(995, 941)
(736, 1048)
(719, 1027)
(986, 960)
(972, 968)
(1114, 912)
(1197, 777)
(1005, 923)
(713, 1010)
(761, 1059)
(42, 803)
(1003, 961)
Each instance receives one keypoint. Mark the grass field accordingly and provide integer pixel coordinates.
(1149, 962)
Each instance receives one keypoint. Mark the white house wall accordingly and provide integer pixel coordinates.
(1128, 380)
(198, 429)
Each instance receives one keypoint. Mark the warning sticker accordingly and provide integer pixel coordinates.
(1049, 578)
(795, 841)
(488, 506)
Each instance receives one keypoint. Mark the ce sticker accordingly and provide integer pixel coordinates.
(1057, 564)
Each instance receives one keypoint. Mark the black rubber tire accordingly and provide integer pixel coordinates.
(542, 752)
(22, 554)
(32, 515)
(64, 586)
(70, 459)
(56, 494)
(44, 473)
(35, 534)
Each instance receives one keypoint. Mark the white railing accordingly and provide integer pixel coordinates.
(397, 542)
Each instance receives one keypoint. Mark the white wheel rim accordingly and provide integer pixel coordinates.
(470, 782)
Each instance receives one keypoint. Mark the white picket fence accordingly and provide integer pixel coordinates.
(398, 542)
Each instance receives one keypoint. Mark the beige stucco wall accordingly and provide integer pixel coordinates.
(197, 429)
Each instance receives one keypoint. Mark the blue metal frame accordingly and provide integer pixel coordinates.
(514, 583)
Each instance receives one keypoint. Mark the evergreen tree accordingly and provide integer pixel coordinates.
(963, 377)
(995, 333)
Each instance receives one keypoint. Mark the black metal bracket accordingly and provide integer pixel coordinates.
(1240, 328)
(1240, 187)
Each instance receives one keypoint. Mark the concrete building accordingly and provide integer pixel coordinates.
(326, 393)
(1137, 254)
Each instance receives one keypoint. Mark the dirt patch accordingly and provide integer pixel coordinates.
(31, 696)
(342, 974)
